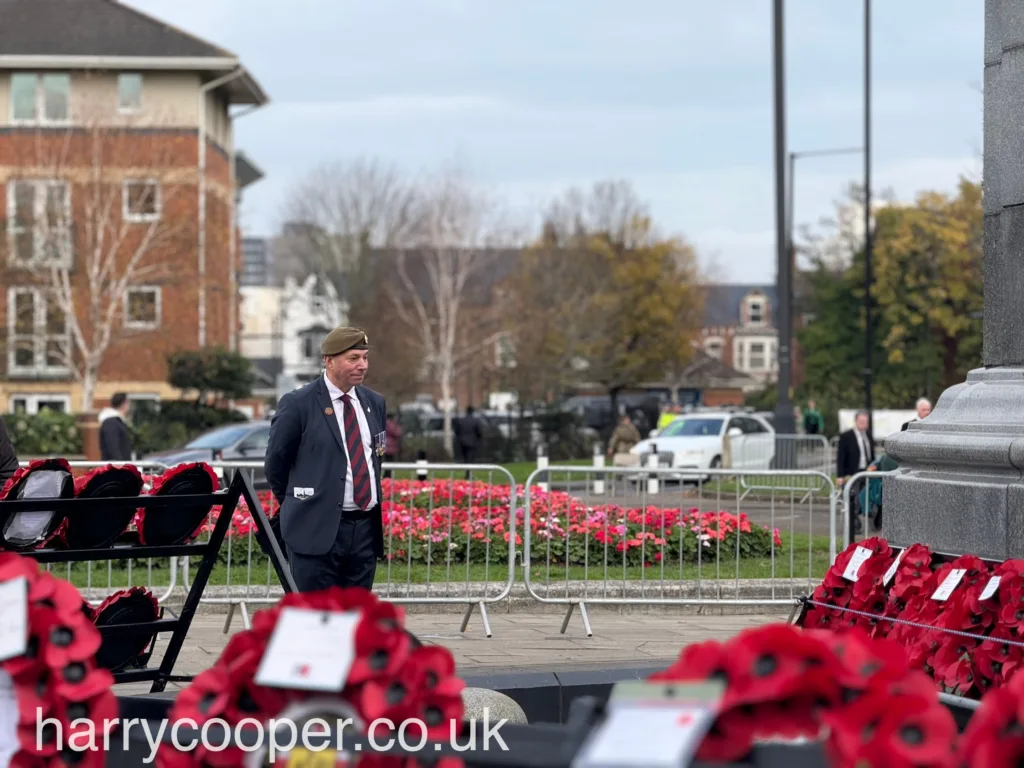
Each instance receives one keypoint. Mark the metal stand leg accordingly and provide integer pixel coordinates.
(483, 617)
(244, 610)
(568, 615)
(586, 620)
(583, 615)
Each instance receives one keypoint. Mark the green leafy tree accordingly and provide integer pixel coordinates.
(929, 283)
(211, 371)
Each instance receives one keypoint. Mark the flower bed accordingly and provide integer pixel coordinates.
(961, 621)
(454, 521)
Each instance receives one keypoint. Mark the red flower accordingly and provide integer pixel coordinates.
(57, 676)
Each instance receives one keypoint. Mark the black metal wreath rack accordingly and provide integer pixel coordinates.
(239, 488)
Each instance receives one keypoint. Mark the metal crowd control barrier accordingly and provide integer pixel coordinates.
(436, 521)
(765, 455)
(619, 536)
(869, 478)
(82, 574)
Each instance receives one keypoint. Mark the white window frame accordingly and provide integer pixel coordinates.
(762, 304)
(127, 215)
(764, 355)
(39, 336)
(32, 401)
(505, 351)
(714, 340)
(132, 109)
(40, 101)
(137, 325)
(40, 235)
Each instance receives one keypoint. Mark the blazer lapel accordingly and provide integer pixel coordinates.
(370, 411)
(327, 411)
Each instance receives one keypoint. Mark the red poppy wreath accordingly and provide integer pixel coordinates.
(181, 523)
(64, 702)
(127, 606)
(857, 693)
(101, 529)
(42, 479)
(392, 676)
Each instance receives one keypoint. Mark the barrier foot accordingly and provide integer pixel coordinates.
(483, 617)
(586, 619)
(583, 614)
(246, 624)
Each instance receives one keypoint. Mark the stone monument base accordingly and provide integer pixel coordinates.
(960, 485)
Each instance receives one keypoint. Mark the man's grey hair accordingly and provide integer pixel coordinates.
(858, 414)
(923, 401)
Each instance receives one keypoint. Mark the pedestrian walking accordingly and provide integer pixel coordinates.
(8, 457)
(115, 437)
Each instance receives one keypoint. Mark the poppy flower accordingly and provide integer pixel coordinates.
(205, 698)
(994, 737)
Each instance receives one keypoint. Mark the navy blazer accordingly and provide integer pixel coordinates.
(306, 451)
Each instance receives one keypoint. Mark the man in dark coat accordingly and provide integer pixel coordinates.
(469, 433)
(8, 458)
(323, 464)
(856, 452)
(115, 437)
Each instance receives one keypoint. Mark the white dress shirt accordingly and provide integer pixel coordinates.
(862, 443)
(348, 502)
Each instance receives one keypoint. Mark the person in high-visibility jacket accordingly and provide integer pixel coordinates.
(668, 415)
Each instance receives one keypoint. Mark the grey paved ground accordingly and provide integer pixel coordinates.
(520, 642)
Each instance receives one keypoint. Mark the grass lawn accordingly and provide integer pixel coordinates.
(808, 556)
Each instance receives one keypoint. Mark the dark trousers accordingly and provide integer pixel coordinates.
(350, 562)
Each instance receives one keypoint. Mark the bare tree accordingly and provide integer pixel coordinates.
(94, 215)
(456, 232)
(340, 210)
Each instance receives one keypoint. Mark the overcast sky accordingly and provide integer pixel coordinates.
(533, 96)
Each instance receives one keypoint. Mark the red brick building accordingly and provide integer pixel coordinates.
(119, 185)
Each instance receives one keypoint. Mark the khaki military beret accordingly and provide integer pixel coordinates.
(342, 340)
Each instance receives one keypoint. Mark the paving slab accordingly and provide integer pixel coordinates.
(519, 642)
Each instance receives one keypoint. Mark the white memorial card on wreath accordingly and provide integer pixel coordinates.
(309, 650)
(14, 610)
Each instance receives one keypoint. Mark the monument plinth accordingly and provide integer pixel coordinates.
(960, 486)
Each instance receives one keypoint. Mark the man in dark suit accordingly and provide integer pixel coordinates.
(8, 458)
(855, 454)
(323, 464)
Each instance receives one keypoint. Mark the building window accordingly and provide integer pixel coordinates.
(33, 404)
(757, 356)
(141, 200)
(40, 99)
(40, 343)
(505, 351)
(39, 222)
(129, 92)
(308, 347)
(755, 311)
(142, 308)
(713, 348)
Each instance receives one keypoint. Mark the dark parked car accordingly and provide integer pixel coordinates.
(233, 442)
